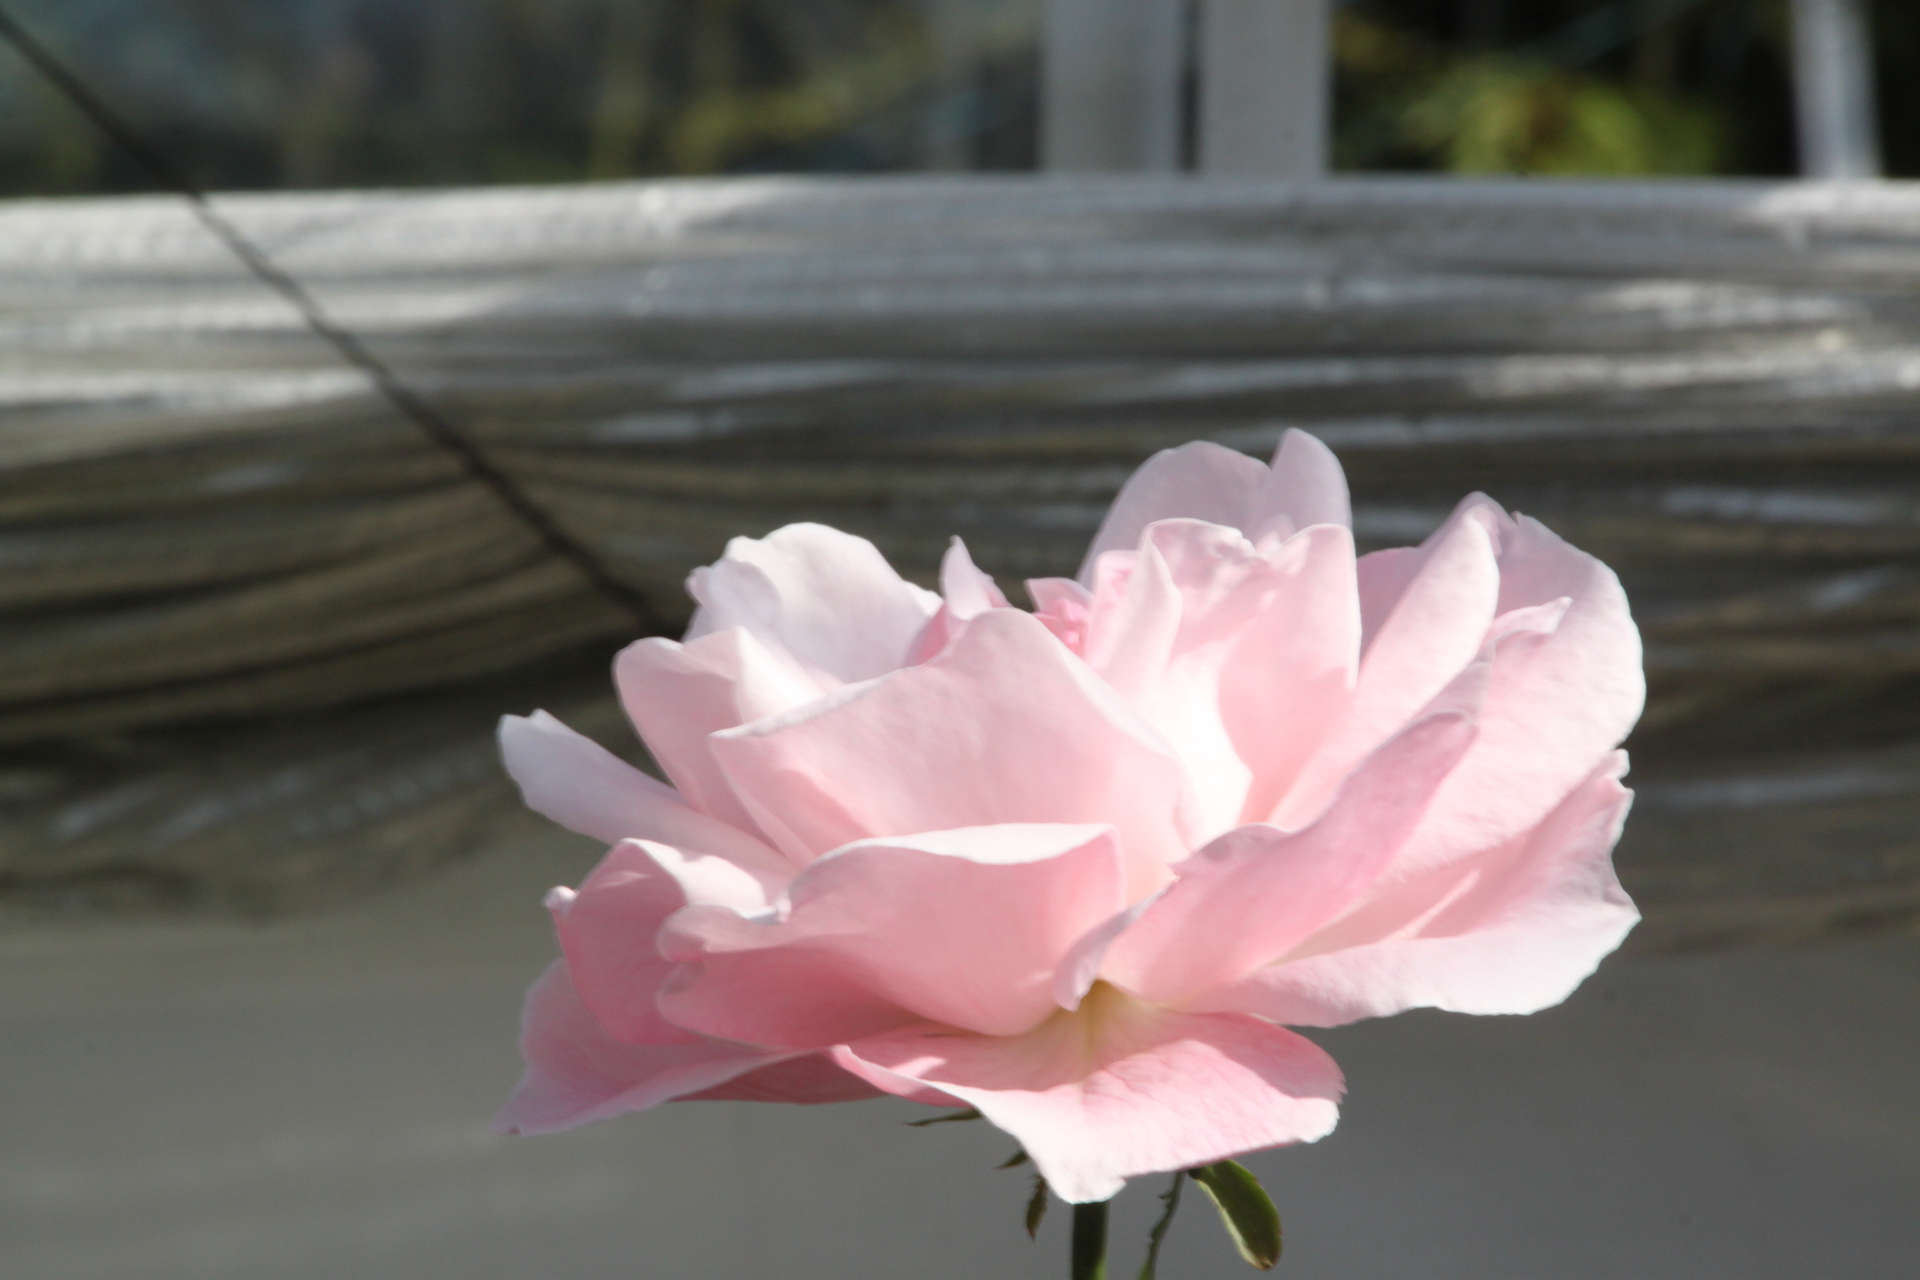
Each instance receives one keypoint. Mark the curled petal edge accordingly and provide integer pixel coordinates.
(1119, 1089)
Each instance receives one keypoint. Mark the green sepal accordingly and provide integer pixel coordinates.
(1036, 1207)
(1014, 1161)
(971, 1113)
(1246, 1208)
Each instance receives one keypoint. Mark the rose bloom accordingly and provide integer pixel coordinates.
(1081, 868)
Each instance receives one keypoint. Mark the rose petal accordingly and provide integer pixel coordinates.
(1437, 627)
(584, 787)
(828, 598)
(1240, 655)
(676, 695)
(1286, 679)
(576, 1073)
(1137, 615)
(1065, 608)
(1306, 487)
(1253, 894)
(1386, 575)
(608, 926)
(1081, 966)
(1198, 481)
(961, 927)
(1049, 593)
(812, 1079)
(965, 593)
(1382, 578)
(1555, 706)
(1512, 931)
(1005, 726)
(963, 587)
(1121, 1089)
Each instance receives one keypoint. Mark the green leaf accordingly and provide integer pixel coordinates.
(1036, 1207)
(1170, 1198)
(1246, 1208)
(1014, 1161)
(971, 1113)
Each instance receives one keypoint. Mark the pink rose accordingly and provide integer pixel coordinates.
(1081, 868)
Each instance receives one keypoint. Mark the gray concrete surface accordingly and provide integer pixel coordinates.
(308, 1100)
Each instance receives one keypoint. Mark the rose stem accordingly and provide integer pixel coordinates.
(1090, 1241)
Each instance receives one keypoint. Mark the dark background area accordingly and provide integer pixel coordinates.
(266, 94)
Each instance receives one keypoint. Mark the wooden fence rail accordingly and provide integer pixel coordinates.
(256, 629)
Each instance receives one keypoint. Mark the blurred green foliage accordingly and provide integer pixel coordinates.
(1413, 102)
(316, 93)
(1488, 116)
(1594, 86)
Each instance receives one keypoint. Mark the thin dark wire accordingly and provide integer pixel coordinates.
(437, 427)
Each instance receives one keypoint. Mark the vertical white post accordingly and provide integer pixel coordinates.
(1111, 73)
(1833, 90)
(951, 26)
(1265, 87)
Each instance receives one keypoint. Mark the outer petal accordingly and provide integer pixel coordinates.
(576, 1073)
(608, 927)
(828, 598)
(676, 695)
(1556, 704)
(1005, 726)
(1306, 487)
(1120, 1088)
(811, 1079)
(1252, 895)
(584, 787)
(966, 928)
(1198, 481)
(1512, 931)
